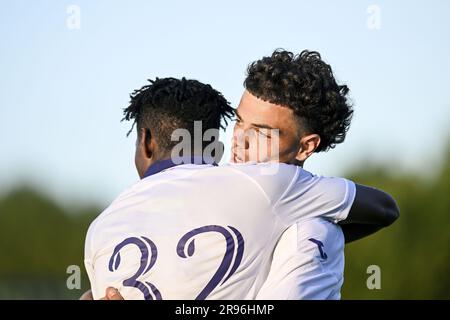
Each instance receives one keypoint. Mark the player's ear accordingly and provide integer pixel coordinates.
(308, 144)
(146, 142)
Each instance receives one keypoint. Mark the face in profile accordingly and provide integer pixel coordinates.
(265, 132)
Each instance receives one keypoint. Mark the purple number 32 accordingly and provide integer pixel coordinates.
(235, 248)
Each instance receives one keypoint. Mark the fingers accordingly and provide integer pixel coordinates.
(87, 295)
(113, 294)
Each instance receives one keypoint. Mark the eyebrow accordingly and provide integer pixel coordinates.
(257, 125)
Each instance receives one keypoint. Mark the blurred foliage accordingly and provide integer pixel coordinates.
(414, 253)
(39, 240)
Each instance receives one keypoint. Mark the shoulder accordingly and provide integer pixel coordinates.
(118, 204)
(272, 178)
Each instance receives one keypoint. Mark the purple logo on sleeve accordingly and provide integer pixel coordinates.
(320, 245)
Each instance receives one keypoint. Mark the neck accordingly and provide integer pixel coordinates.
(299, 163)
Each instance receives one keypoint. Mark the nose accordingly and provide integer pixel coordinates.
(240, 139)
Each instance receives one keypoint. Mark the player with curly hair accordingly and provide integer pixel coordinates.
(296, 100)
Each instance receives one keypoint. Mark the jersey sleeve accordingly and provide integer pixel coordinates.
(307, 264)
(309, 196)
(295, 194)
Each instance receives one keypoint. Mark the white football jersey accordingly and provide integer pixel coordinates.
(308, 263)
(205, 232)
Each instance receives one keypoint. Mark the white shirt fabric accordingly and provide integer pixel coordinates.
(301, 270)
(205, 232)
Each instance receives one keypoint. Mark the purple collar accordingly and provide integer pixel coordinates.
(161, 165)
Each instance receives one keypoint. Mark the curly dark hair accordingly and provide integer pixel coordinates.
(167, 104)
(305, 84)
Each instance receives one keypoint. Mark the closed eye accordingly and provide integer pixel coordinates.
(264, 132)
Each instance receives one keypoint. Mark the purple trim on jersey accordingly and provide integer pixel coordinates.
(161, 165)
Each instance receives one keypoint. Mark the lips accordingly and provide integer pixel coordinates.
(238, 159)
(235, 156)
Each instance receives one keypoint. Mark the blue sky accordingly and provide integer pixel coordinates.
(62, 90)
